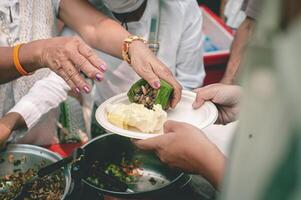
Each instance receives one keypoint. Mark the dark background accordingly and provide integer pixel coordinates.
(214, 5)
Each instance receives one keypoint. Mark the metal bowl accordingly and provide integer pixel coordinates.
(32, 156)
(111, 148)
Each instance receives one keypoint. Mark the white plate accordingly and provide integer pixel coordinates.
(201, 118)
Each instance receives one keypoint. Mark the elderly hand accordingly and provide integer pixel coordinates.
(68, 56)
(146, 65)
(186, 147)
(225, 97)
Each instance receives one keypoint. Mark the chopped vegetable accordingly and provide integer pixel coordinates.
(126, 171)
(49, 187)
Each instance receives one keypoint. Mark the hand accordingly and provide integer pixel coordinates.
(68, 56)
(146, 65)
(225, 97)
(4, 134)
(186, 147)
(8, 123)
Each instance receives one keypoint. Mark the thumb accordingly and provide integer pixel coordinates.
(148, 144)
(204, 94)
(171, 126)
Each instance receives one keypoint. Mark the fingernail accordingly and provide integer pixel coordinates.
(103, 67)
(87, 89)
(77, 90)
(98, 77)
(157, 84)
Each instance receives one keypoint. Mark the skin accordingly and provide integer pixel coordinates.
(186, 147)
(67, 55)
(7, 124)
(241, 39)
(144, 62)
(225, 97)
(64, 55)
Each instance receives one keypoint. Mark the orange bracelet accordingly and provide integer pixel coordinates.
(16, 60)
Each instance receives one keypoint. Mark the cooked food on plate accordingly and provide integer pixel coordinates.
(137, 116)
(146, 111)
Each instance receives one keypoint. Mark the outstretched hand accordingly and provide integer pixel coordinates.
(186, 147)
(225, 97)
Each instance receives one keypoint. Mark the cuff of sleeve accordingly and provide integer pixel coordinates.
(28, 111)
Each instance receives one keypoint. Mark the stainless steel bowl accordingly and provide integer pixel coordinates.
(34, 156)
(112, 147)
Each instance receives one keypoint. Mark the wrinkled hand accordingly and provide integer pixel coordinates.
(186, 147)
(146, 65)
(225, 97)
(68, 56)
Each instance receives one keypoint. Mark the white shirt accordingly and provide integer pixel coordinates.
(12, 12)
(180, 38)
(181, 50)
(34, 107)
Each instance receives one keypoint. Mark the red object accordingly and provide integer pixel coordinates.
(215, 62)
(214, 74)
(63, 149)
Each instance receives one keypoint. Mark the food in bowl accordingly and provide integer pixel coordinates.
(127, 171)
(49, 187)
(142, 93)
(137, 116)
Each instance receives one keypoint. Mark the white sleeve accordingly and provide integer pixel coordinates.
(190, 67)
(45, 95)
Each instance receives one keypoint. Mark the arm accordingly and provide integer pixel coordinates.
(8, 123)
(8, 71)
(190, 67)
(186, 147)
(239, 44)
(107, 35)
(95, 28)
(45, 95)
(195, 155)
(66, 56)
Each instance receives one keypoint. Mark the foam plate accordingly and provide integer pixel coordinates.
(201, 118)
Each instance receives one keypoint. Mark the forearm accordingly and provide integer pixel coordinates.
(239, 44)
(13, 121)
(213, 167)
(28, 56)
(98, 30)
(108, 40)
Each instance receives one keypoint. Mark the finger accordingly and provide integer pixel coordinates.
(80, 62)
(74, 76)
(148, 144)
(88, 53)
(147, 73)
(204, 94)
(165, 74)
(171, 126)
(61, 72)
